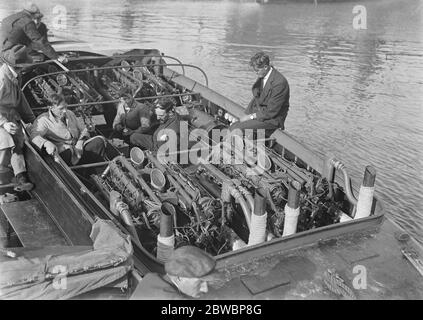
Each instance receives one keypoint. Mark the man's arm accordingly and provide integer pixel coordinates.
(145, 125)
(279, 96)
(25, 110)
(37, 132)
(32, 33)
(82, 128)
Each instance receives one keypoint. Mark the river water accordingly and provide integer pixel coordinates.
(355, 94)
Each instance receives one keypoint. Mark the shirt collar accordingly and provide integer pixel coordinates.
(53, 117)
(267, 75)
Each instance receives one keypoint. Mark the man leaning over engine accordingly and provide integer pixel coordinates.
(59, 131)
(21, 29)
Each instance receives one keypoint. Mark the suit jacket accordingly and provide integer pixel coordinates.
(271, 103)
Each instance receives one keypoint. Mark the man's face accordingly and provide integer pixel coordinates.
(37, 22)
(59, 111)
(124, 101)
(162, 115)
(261, 72)
(193, 287)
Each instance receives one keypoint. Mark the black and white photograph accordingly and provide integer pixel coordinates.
(222, 153)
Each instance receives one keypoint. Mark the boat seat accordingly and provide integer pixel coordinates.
(32, 224)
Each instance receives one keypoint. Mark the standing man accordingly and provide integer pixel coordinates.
(13, 108)
(270, 103)
(20, 29)
(188, 271)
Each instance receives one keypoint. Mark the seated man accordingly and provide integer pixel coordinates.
(188, 271)
(270, 103)
(168, 120)
(58, 131)
(133, 117)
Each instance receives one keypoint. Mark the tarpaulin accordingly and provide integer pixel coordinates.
(65, 272)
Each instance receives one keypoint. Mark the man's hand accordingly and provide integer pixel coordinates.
(10, 127)
(127, 132)
(118, 127)
(62, 59)
(50, 147)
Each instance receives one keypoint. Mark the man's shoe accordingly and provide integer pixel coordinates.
(23, 183)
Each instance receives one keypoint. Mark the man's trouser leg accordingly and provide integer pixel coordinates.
(94, 150)
(253, 125)
(11, 147)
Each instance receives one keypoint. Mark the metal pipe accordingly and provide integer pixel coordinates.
(138, 177)
(179, 188)
(120, 208)
(108, 68)
(166, 225)
(248, 196)
(166, 238)
(348, 187)
(89, 165)
(365, 196)
(258, 221)
(211, 188)
(292, 209)
(75, 105)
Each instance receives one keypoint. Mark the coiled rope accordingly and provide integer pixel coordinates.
(336, 284)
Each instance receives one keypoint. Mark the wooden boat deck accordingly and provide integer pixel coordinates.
(32, 224)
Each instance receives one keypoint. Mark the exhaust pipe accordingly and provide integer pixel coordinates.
(292, 209)
(166, 238)
(258, 221)
(365, 196)
(120, 209)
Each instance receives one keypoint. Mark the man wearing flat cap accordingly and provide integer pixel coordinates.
(13, 108)
(188, 271)
(20, 29)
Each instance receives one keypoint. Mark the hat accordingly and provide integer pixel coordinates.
(33, 9)
(16, 55)
(191, 262)
(165, 103)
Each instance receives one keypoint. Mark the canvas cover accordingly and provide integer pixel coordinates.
(66, 272)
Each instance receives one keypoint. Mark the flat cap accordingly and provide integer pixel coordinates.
(33, 9)
(190, 262)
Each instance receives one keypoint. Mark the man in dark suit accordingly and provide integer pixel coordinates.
(270, 103)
